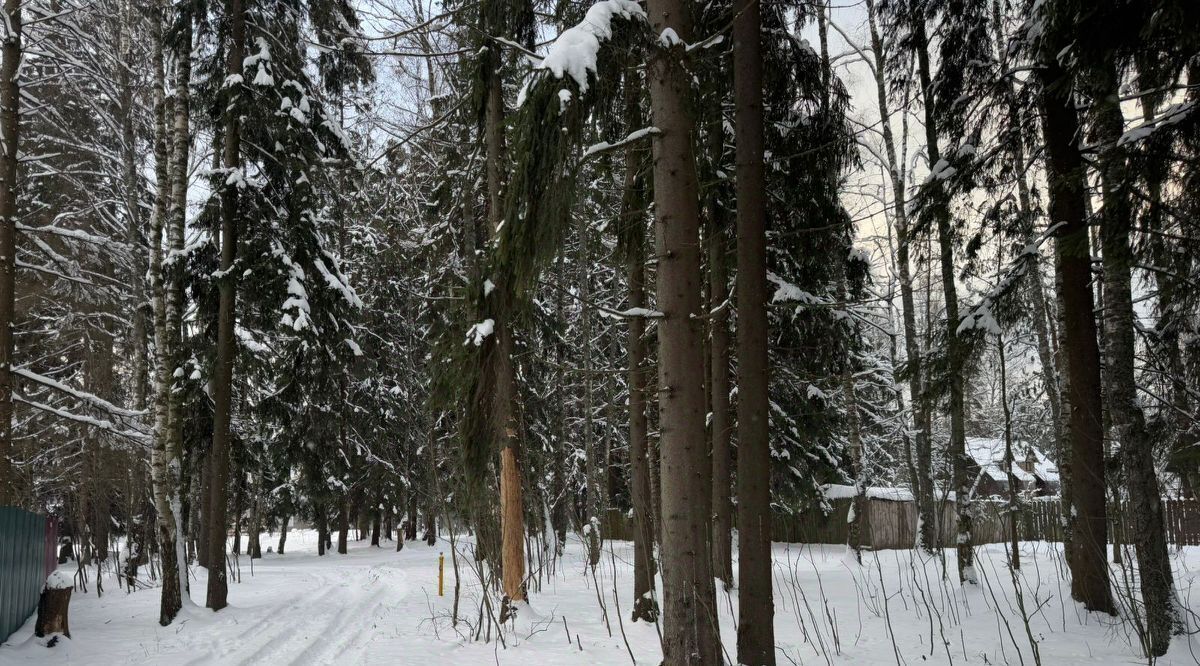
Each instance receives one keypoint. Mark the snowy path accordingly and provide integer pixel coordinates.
(377, 606)
(295, 609)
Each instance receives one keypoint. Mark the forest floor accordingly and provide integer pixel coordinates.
(375, 605)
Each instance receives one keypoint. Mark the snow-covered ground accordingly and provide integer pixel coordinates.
(375, 605)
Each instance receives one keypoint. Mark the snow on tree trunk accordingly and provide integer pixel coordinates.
(222, 379)
(53, 607)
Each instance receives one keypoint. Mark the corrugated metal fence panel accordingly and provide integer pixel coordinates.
(23, 545)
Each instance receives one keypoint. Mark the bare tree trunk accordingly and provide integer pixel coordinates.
(592, 466)
(645, 606)
(690, 633)
(131, 188)
(722, 429)
(434, 497)
(958, 438)
(927, 528)
(223, 372)
(558, 512)
(857, 455)
(164, 467)
(283, 531)
(1128, 420)
(504, 422)
(343, 525)
(322, 520)
(10, 114)
(254, 524)
(1009, 461)
(239, 509)
(1064, 166)
(756, 612)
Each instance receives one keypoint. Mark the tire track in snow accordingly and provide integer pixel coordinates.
(274, 623)
(314, 630)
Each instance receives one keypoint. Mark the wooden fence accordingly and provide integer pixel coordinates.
(891, 524)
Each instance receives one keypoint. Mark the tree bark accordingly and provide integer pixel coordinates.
(722, 429)
(131, 188)
(164, 466)
(321, 519)
(927, 529)
(756, 612)
(343, 525)
(1064, 165)
(254, 528)
(645, 606)
(958, 439)
(1014, 557)
(1128, 420)
(592, 466)
(689, 599)
(52, 611)
(223, 372)
(10, 116)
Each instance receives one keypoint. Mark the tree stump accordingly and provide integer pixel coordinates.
(53, 605)
(66, 551)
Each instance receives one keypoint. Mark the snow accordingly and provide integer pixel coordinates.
(378, 606)
(787, 292)
(840, 491)
(942, 170)
(59, 580)
(669, 38)
(633, 136)
(988, 453)
(260, 60)
(574, 53)
(478, 332)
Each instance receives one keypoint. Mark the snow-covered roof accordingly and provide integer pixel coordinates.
(988, 453)
(840, 491)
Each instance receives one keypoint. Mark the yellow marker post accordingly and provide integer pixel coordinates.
(441, 576)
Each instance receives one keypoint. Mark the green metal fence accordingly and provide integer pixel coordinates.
(27, 543)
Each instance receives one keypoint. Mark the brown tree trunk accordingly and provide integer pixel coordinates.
(52, 610)
(756, 612)
(10, 108)
(1065, 174)
(283, 531)
(239, 500)
(958, 438)
(645, 606)
(322, 528)
(591, 449)
(343, 525)
(218, 588)
(690, 633)
(506, 428)
(927, 532)
(1128, 420)
(1013, 487)
(722, 429)
(254, 528)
